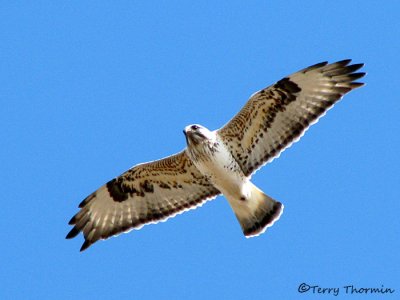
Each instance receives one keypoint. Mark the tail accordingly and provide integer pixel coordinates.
(256, 212)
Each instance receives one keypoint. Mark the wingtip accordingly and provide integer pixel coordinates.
(343, 62)
(354, 67)
(355, 76)
(72, 221)
(87, 200)
(356, 85)
(315, 66)
(85, 245)
(73, 233)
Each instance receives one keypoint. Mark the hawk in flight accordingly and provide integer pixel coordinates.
(220, 161)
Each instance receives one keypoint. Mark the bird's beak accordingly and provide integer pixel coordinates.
(186, 136)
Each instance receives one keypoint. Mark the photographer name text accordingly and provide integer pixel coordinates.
(346, 289)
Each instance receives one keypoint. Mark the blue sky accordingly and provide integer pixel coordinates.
(89, 89)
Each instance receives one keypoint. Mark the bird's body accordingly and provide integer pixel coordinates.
(213, 159)
(219, 162)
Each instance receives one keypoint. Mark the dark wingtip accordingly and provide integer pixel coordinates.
(87, 200)
(73, 233)
(85, 245)
(355, 85)
(72, 221)
(343, 62)
(355, 67)
(315, 66)
(355, 76)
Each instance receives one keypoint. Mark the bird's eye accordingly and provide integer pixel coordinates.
(194, 127)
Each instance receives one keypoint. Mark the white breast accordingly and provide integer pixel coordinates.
(216, 163)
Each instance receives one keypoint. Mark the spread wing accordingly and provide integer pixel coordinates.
(277, 116)
(147, 193)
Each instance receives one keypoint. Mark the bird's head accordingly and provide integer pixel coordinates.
(196, 134)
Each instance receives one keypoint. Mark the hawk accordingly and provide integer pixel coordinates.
(220, 161)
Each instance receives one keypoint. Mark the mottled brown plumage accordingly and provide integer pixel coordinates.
(277, 116)
(147, 193)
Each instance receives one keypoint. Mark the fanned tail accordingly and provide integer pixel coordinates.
(257, 212)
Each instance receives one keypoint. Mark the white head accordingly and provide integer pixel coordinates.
(196, 134)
